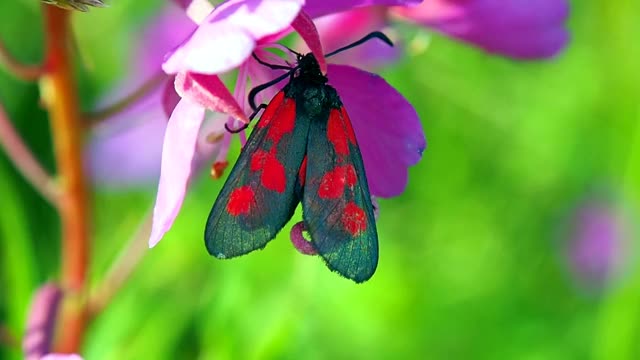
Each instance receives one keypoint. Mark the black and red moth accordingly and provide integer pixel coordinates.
(303, 149)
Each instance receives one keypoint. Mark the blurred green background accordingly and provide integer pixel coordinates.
(474, 257)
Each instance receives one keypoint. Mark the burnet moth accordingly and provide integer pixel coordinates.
(302, 150)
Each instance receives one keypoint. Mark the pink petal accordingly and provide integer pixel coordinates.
(517, 28)
(210, 140)
(61, 357)
(170, 97)
(178, 152)
(197, 10)
(210, 92)
(41, 321)
(164, 33)
(317, 8)
(184, 4)
(360, 22)
(386, 125)
(308, 32)
(226, 38)
(212, 49)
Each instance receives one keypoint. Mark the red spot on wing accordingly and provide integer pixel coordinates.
(350, 175)
(330, 186)
(241, 200)
(258, 158)
(354, 219)
(284, 120)
(337, 133)
(333, 183)
(271, 109)
(302, 173)
(273, 174)
(347, 124)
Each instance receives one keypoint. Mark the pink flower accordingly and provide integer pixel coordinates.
(114, 155)
(514, 28)
(241, 27)
(597, 244)
(41, 322)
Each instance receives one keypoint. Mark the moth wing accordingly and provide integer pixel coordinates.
(336, 203)
(258, 198)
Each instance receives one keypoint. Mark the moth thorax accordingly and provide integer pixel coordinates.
(310, 69)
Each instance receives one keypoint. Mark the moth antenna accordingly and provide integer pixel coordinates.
(374, 35)
(294, 52)
(256, 90)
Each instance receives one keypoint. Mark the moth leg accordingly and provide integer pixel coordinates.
(257, 110)
(251, 117)
(270, 66)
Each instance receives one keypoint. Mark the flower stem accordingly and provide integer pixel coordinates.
(123, 104)
(25, 162)
(59, 94)
(122, 268)
(15, 67)
(7, 338)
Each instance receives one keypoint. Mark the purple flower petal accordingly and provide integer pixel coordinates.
(226, 38)
(386, 125)
(170, 97)
(516, 28)
(360, 22)
(597, 244)
(178, 152)
(210, 92)
(41, 321)
(317, 8)
(162, 35)
(184, 4)
(114, 154)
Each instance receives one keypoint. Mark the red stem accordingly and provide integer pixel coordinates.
(61, 98)
(18, 69)
(25, 161)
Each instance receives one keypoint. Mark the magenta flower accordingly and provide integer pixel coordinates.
(41, 322)
(387, 127)
(114, 156)
(360, 21)
(241, 27)
(512, 28)
(597, 243)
